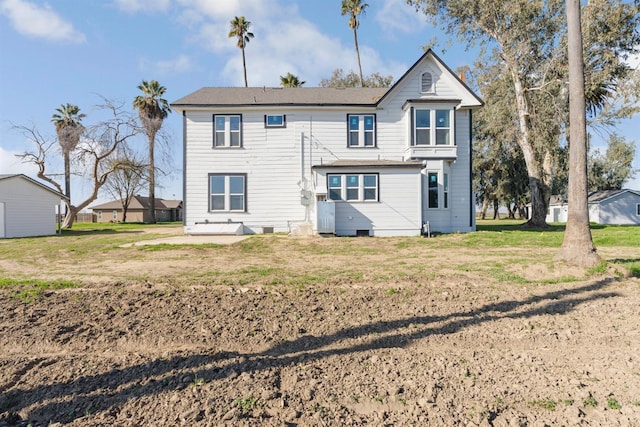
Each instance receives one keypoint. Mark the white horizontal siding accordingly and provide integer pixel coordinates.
(29, 210)
(275, 162)
(397, 212)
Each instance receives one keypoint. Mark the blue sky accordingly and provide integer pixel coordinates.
(59, 52)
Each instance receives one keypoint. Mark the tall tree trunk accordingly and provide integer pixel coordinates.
(244, 68)
(577, 245)
(67, 179)
(152, 179)
(355, 39)
(538, 184)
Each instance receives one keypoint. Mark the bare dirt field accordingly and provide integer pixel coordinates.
(282, 331)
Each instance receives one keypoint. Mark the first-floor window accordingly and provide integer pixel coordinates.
(638, 209)
(99, 214)
(445, 189)
(115, 214)
(433, 189)
(353, 187)
(227, 192)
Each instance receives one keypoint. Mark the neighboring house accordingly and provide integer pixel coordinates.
(138, 210)
(27, 207)
(348, 161)
(614, 207)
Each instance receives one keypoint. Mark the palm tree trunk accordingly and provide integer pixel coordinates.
(577, 245)
(67, 178)
(152, 180)
(355, 39)
(244, 67)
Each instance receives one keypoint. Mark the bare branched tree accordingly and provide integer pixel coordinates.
(93, 154)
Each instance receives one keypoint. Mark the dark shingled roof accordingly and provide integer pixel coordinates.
(277, 96)
(371, 163)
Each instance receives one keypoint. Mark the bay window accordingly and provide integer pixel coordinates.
(424, 131)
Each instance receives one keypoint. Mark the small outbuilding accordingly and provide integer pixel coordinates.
(27, 207)
(612, 207)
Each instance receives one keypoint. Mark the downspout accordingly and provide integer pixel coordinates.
(184, 168)
(472, 203)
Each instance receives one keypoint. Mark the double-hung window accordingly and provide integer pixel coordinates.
(353, 187)
(362, 130)
(227, 130)
(227, 192)
(425, 133)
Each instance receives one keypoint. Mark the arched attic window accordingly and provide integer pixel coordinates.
(427, 83)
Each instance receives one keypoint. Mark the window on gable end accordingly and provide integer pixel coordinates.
(427, 83)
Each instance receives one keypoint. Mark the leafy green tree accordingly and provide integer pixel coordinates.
(527, 39)
(355, 8)
(290, 80)
(240, 30)
(69, 128)
(351, 79)
(152, 109)
(611, 170)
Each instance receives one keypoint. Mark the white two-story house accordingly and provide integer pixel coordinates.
(352, 161)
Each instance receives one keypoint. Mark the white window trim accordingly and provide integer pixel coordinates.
(361, 187)
(431, 88)
(227, 192)
(433, 127)
(361, 131)
(442, 203)
(227, 131)
(115, 214)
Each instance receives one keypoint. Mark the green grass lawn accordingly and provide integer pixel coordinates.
(499, 251)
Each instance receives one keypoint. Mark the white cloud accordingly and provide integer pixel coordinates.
(39, 21)
(284, 42)
(180, 64)
(11, 164)
(397, 18)
(145, 6)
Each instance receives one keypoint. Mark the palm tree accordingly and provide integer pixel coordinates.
(353, 8)
(152, 110)
(577, 245)
(290, 80)
(240, 29)
(68, 125)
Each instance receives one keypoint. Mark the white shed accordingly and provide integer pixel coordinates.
(613, 207)
(27, 207)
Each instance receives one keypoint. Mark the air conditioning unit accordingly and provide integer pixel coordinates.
(326, 217)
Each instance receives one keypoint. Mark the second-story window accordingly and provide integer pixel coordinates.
(361, 130)
(424, 131)
(227, 130)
